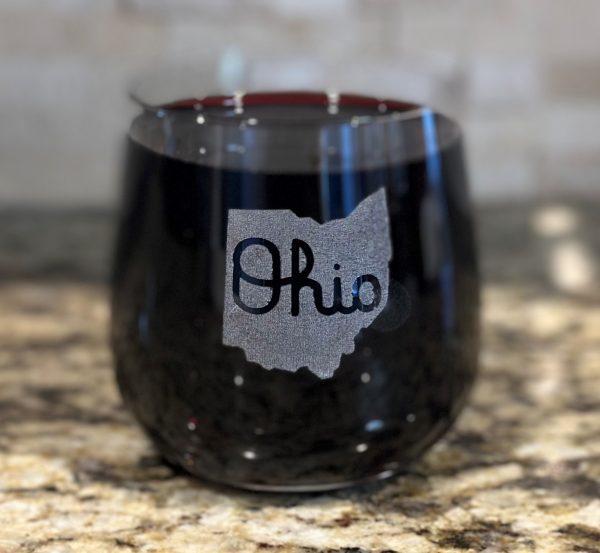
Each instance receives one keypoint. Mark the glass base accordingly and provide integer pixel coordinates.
(313, 488)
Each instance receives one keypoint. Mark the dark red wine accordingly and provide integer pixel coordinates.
(222, 417)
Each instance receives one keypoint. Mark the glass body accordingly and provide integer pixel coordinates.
(244, 423)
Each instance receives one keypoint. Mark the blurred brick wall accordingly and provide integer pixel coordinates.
(523, 76)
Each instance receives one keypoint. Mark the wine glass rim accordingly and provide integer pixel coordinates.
(337, 108)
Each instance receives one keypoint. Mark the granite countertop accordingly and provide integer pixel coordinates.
(519, 472)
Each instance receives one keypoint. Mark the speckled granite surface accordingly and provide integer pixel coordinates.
(520, 471)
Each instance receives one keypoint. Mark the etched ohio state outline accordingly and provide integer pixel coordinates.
(297, 292)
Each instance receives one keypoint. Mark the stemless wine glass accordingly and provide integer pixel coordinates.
(295, 293)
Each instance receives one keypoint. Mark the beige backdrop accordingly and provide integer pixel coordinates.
(522, 75)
